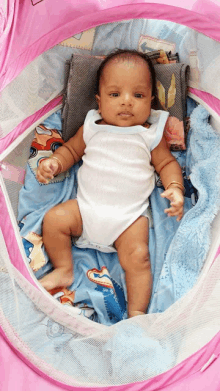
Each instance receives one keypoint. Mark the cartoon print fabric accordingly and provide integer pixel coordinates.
(45, 142)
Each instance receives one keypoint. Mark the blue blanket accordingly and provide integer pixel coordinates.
(186, 252)
(178, 250)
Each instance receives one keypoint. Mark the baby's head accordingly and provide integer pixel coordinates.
(126, 86)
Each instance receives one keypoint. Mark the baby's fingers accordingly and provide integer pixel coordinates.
(43, 175)
(167, 194)
(42, 178)
(171, 212)
(177, 203)
(48, 165)
(179, 215)
(46, 170)
(175, 196)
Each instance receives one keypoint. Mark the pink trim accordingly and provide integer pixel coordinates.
(207, 8)
(13, 173)
(9, 138)
(185, 376)
(215, 257)
(17, 373)
(218, 253)
(11, 241)
(18, 60)
(210, 100)
(32, 371)
(23, 351)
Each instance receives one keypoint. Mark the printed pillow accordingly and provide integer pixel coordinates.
(79, 96)
(172, 93)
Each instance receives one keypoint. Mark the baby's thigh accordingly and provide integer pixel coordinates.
(65, 217)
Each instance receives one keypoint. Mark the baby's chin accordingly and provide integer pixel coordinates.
(122, 122)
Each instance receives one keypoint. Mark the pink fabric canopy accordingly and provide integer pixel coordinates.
(29, 27)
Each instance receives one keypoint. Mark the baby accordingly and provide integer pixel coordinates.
(122, 145)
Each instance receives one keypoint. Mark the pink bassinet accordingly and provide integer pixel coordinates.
(190, 327)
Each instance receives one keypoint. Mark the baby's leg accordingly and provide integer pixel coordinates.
(59, 224)
(132, 248)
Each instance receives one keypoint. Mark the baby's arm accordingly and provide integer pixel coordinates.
(171, 176)
(64, 158)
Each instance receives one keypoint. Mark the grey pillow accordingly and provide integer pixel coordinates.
(79, 96)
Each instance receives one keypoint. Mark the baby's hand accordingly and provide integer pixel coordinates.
(176, 198)
(47, 169)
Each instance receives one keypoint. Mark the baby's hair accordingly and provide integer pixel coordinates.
(126, 54)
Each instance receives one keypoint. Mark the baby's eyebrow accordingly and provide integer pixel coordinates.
(112, 87)
(141, 87)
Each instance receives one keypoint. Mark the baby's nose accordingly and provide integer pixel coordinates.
(127, 99)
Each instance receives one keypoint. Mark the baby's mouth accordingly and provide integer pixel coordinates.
(125, 114)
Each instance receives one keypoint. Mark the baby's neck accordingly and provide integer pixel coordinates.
(102, 122)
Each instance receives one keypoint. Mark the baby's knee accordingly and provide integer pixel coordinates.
(139, 258)
(62, 219)
(53, 217)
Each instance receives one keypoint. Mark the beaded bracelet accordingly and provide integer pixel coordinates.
(178, 184)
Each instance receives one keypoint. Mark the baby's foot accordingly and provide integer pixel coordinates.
(59, 277)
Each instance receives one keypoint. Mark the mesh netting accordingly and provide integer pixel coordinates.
(76, 351)
(38, 84)
(64, 345)
(18, 158)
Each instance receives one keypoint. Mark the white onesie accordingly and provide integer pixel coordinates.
(116, 177)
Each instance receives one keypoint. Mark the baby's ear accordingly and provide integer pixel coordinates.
(97, 97)
(153, 102)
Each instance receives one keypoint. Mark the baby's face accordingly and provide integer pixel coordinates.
(125, 93)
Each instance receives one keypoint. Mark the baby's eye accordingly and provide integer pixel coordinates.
(138, 95)
(114, 94)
